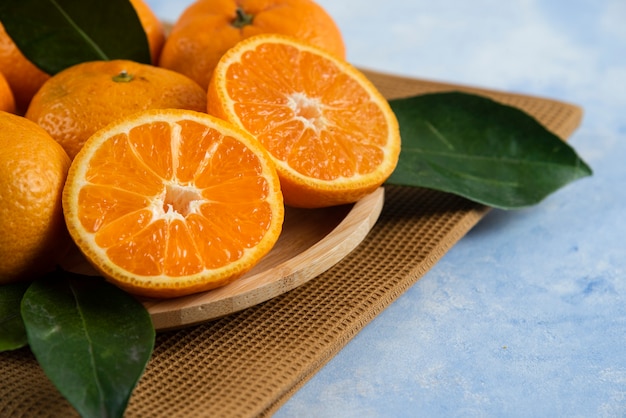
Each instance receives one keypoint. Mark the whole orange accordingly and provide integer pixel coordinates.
(25, 78)
(153, 28)
(208, 28)
(22, 75)
(33, 169)
(7, 102)
(78, 101)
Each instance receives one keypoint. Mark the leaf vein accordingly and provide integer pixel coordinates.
(503, 159)
(82, 33)
(439, 135)
(92, 357)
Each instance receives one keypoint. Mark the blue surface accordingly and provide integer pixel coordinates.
(526, 315)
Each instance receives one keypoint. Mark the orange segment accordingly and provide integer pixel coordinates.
(172, 202)
(332, 135)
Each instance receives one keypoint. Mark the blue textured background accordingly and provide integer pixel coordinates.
(526, 315)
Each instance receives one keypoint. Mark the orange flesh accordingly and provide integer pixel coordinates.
(326, 130)
(157, 213)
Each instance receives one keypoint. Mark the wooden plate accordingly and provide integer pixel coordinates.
(312, 241)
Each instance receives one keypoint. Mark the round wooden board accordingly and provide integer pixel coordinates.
(312, 241)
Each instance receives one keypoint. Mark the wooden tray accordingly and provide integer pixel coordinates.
(312, 241)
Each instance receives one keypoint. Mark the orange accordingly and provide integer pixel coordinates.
(25, 78)
(208, 28)
(332, 135)
(33, 168)
(22, 75)
(153, 28)
(172, 202)
(79, 100)
(7, 102)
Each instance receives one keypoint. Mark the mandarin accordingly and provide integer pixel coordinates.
(33, 169)
(155, 32)
(208, 28)
(25, 78)
(7, 102)
(332, 135)
(22, 75)
(167, 203)
(75, 103)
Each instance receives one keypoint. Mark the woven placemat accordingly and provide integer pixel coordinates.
(249, 363)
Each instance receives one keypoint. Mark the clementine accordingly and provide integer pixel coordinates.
(79, 100)
(208, 28)
(171, 202)
(21, 74)
(155, 32)
(25, 78)
(332, 135)
(33, 168)
(7, 102)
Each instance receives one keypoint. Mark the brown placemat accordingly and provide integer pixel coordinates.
(249, 363)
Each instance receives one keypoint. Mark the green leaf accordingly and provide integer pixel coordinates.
(487, 152)
(92, 340)
(12, 332)
(56, 34)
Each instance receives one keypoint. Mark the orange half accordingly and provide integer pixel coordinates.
(167, 203)
(332, 135)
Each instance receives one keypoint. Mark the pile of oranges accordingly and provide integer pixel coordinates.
(172, 177)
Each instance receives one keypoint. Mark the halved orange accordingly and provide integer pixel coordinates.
(332, 135)
(167, 203)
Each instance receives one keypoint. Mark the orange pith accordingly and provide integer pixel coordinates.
(170, 202)
(332, 135)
